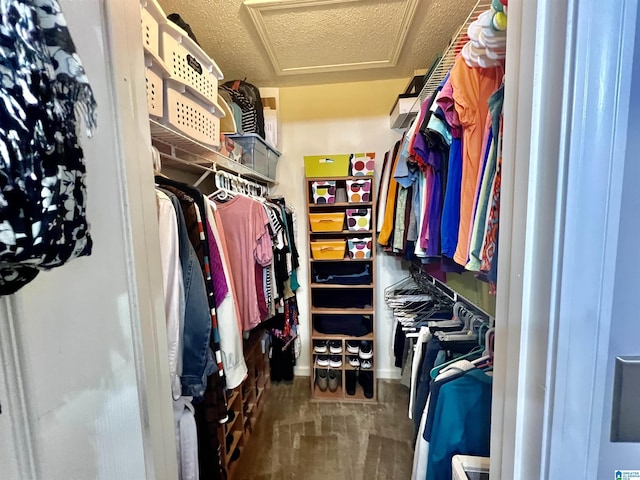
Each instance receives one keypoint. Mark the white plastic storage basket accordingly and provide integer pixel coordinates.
(188, 63)
(152, 17)
(155, 72)
(190, 115)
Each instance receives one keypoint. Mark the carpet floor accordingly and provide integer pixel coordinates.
(298, 439)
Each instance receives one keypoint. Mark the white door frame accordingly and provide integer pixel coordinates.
(118, 31)
(565, 131)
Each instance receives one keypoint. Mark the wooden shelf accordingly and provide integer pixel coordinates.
(342, 311)
(349, 177)
(327, 394)
(232, 399)
(250, 395)
(347, 366)
(347, 259)
(229, 426)
(336, 286)
(313, 206)
(344, 232)
(315, 335)
(359, 396)
(237, 435)
(339, 289)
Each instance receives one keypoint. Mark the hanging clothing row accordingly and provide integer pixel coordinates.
(445, 350)
(439, 199)
(228, 264)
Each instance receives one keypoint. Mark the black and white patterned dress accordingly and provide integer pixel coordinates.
(44, 93)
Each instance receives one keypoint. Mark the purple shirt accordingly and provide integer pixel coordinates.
(218, 277)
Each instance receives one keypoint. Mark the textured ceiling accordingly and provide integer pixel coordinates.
(361, 39)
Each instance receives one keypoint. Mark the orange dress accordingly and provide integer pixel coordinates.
(389, 214)
(472, 88)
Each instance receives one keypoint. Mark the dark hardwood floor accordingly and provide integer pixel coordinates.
(296, 438)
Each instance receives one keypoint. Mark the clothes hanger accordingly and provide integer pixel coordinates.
(223, 184)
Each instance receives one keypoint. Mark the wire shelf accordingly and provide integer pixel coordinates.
(180, 149)
(448, 59)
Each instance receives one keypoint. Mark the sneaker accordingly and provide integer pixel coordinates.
(365, 379)
(322, 379)
(366, 364)
(354, 361)
(334, 380)
(335, 347)
(366, 350)
(323, 360)
(350, 379)
(335, 361)
(320, 346)
(353, 347)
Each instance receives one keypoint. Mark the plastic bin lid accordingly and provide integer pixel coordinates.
(257, 137)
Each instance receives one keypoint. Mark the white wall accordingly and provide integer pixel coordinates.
(73, 339)
(344, 135)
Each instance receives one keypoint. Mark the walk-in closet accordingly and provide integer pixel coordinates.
(309, 239)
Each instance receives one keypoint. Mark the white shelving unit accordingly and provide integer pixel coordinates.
(178, 149)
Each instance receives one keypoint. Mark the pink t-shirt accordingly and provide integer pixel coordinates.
(446, 102)
(247, 238)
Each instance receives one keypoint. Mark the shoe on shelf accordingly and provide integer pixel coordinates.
(335, 361)
(353, 347)
(365, 379)
(334, 379)
(365, 364)
(335, 347)
(354, 361)
(350, 379)
(365, 350)
(231, 414)
(323, 360)
(320, 346)
(322, 379)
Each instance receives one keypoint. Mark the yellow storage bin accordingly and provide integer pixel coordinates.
(327, 222)
(328, 249)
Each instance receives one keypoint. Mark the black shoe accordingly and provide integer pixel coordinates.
(335, 361)
(334, 379)
(335, 347)
(229, 440)
(365, 379)
(366, 350)
(231, 414)
(235, 455)
(353, 347)
(351, 377)
(320, 346)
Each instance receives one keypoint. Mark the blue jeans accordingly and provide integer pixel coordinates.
(197, 358)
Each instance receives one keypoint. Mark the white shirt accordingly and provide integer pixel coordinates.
(173, 285)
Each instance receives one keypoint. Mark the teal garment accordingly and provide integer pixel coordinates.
(482, 209)
(237, 116)
(462, 422)
(294, 284)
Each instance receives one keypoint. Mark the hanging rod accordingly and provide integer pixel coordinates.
(448, 58)
(418, 274)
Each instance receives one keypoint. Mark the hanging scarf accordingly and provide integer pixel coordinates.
(43, 93)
